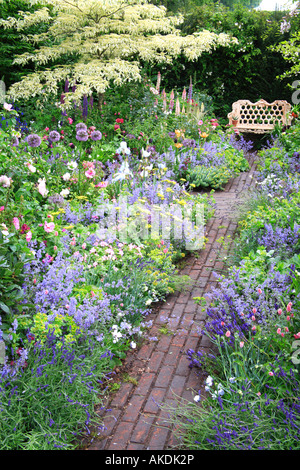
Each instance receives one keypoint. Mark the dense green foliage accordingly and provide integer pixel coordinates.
(249, 70)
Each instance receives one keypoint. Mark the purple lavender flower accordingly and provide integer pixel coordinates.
(85, 106)
(96, 135)
(33, 140)
(54, 136)
(82, 136)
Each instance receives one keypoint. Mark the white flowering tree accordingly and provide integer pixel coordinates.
(104, 42)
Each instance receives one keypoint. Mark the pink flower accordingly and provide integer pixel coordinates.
(102, 184)
(49, 227)
(222, 323)
(286, 329)
(28, 236)
(241, 344)
(84, 246)
(70, 120)
(259, 290)
(254, 310)
(227, 334)
(253, 318)
(165, 250)
(279, 311)
(297, 335)
(42, 187)
(34, 281)
(253, 328)
(1, 208)
(56, 233)
(289, 307)
(16, 223)
(55, 247)
(271, 373)
(90, 173)
(288, 318)
(279, 331)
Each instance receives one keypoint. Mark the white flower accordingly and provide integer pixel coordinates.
(148, 302)
(7, 106)
(5, 181)
(133, 344)
(123, 149)
(72, 165)
(123, 172)
(66, 176)
(209, 381)
(145, 154)
(197, 398)
(232, 380)
(31, 168)
(4, 230)
(64, 192)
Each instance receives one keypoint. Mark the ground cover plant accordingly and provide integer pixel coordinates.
(250, 399)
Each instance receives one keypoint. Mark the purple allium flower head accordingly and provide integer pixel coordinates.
(96, 135)
(81, 127)
(33, 140)
(54, 136)
(14, 141)
(82, 136)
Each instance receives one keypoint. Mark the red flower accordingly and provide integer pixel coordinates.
(120, 121)
(116, 127)
(24, 228)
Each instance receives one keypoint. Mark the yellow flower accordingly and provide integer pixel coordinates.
(178, 145)
(204, 135)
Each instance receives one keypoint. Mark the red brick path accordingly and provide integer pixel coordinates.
(134, 419)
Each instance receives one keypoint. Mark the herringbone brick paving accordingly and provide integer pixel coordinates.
(159, 374)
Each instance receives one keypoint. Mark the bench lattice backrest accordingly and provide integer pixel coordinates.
(261, 116)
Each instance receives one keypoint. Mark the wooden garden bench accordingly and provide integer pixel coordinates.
(259, 117)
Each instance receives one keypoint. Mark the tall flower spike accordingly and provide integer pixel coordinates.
(158, 81)
(184, 94)
(177, 108)
(85, 106)
(190, 94)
